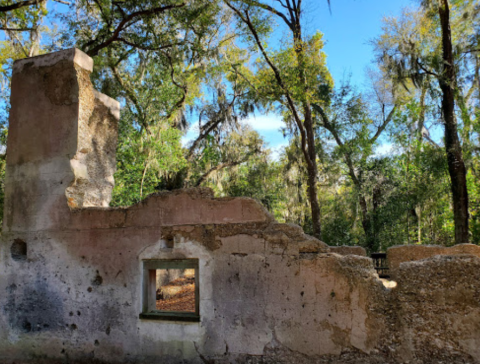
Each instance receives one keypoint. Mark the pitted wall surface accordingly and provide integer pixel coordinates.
(71, 267)
(398, 255)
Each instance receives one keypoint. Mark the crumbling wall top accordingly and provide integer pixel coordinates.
(45, 60)
(397, 255)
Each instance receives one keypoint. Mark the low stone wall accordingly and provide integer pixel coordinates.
(435, 311)
(407, 253)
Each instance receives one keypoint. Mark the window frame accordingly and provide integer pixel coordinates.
(149, 310)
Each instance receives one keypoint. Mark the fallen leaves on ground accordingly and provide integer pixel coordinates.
(182, 297)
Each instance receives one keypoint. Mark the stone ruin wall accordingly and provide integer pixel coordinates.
(71, 268)
(397, 255)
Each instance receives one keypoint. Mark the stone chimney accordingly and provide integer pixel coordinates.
(61, 141)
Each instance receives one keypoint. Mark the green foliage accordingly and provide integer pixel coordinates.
(258, 178)
(144, 162)
(313, 70)
(187, 69)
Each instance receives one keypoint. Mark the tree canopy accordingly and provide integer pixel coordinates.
(189, 74)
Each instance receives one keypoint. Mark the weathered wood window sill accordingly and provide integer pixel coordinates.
(171, 316)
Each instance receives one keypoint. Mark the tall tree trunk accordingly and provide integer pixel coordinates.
(312, 168)
(419, 222)
(305, 126)
(312, 172)
(376, 197)
(367, 225)
(421, 117)
(456, 165)
(412, 212)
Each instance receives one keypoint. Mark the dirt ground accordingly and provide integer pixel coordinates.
(179, 295)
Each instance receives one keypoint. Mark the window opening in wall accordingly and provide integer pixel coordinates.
(175, 290)
(171, 290)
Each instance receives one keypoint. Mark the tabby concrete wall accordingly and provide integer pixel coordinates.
(408, 253)
(71, 268)
(435, 310)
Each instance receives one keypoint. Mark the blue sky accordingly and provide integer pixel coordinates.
(347, 31)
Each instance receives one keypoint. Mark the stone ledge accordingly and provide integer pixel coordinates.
(397, 255)
(73, 54)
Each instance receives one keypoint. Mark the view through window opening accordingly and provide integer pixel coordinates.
(171, 290)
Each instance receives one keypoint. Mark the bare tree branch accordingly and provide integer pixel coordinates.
(271, 10)
(124, 24)
(278, 77)
(221, 166)
(146, 48)
(131, 95)
(179, 104)
(346, 155)
(21, 4)
(17, 29)
(281, 3)
(426, 70)
(206, 130)
(383, 126)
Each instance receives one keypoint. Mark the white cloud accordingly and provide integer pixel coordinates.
(266, 125)
(384, 150)
(265, 122)
(188, 137)
(277, 150)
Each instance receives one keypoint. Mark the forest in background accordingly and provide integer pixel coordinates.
(206, 66)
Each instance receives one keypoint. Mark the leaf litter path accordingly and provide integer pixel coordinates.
(179, 296)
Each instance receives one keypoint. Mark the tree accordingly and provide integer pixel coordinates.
(142, 25)
(165, 87)
(456, 165)
(417, 55)
(24, 4)
(349, 121)
(294, 82)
